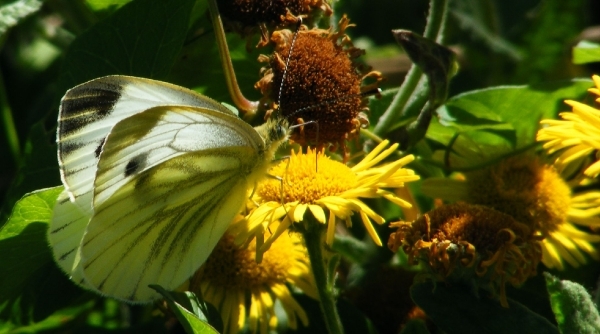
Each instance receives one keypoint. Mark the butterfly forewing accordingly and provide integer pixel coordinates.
(157, 218)
(162, 133)
(89, 111)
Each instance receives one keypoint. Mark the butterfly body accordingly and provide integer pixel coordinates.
(153, 175)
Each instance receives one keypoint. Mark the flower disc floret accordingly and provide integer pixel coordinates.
(246, 291)
(330, 190)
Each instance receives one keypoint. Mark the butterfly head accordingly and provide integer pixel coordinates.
(274, 132)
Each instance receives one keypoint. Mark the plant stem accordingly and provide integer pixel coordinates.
(247, 107)
(314, 237)
(10, 129)
(434, 30)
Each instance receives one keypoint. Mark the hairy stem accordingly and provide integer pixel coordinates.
(435, 31)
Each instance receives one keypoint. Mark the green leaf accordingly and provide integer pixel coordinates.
(142, 38)
(351, 248)
(39, 169)
(456, 310)
(54, 321)
(31, 285)
(543, 43)
(438, 63)
(12, 13)
(586, 52)
(505, 118)
(573, 306)
(99, 5)
(191, 322)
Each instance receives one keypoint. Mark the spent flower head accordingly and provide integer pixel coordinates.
(321, 84)
(535, 194)
(470, 244)
(247, 16)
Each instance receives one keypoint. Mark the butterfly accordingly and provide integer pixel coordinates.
(153, 175)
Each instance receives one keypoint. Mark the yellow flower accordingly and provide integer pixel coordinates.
(330, 190)
(471, 244)
(578, 133)
(534, 194)
(243, 290)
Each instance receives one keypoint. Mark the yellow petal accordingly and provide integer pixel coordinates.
(298, 212)
(370, 229)
(317, 212)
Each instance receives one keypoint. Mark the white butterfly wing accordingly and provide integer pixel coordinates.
(65, 233)
(162, 133)
(169, 181)
(89, 111)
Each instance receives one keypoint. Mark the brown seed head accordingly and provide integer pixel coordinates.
(244, 16)
(525, 188)
(322, 85)
(471, 243)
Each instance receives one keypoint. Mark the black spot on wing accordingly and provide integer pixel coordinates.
(99, 148)
(136, 164)
(86, 104)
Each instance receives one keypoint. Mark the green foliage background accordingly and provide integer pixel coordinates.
(48, 47)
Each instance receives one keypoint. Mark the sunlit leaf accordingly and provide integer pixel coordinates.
(586, 52)
(11, 13)
(98, 5)
(31, 285)
(191, 322)
(39, 168)
(503, 118)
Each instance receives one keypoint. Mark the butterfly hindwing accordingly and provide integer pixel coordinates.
(89, 111)
(65, 232)
(169, 181)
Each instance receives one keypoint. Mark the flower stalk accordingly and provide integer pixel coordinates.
(415, 80)
(314, 237)
(247, 107)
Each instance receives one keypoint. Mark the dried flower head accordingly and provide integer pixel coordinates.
(535, 194)
(244, 16)
(321, 85)
(524, 187)
(471, 244)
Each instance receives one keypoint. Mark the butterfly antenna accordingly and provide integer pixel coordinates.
(287, 62)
